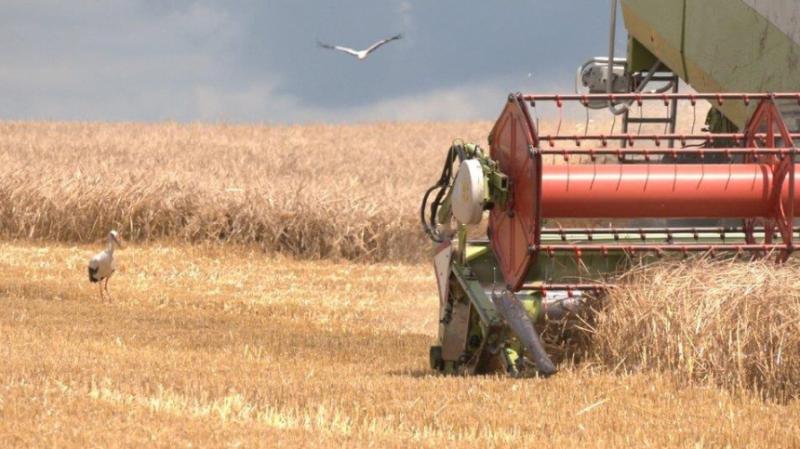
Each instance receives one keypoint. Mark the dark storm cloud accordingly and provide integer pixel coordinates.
(258, 61)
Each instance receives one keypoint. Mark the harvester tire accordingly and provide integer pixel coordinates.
(436, 361)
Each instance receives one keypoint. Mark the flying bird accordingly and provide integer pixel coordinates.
(360, 54)
(102, 265)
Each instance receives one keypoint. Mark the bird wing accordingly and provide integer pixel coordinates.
(374, 46)
(93, 275)
(102, 264)
(94, 267)
(337, 47)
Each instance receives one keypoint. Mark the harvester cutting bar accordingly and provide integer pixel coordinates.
(663, 191)
(718, 98)
(657, 139)
(570, 289)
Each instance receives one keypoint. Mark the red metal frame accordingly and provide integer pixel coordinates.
(516, 227)
(767, 147)
(768, 116)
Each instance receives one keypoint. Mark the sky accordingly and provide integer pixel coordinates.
(258, 61)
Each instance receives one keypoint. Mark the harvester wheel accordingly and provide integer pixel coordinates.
(436, 361)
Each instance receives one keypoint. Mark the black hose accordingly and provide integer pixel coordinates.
(429, 223)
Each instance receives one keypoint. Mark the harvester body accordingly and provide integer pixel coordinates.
(624, 189)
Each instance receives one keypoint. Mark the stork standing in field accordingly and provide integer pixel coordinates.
(102, 265)
(360, 54)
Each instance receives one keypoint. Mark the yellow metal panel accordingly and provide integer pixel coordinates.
(718, 46)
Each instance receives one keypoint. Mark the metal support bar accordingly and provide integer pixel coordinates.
(570, 289)
(657, 230)
(718, 98)
(666, 233)
(650, 120)
(707, 138)
(578, 248)
(483, 305)
(670, 151)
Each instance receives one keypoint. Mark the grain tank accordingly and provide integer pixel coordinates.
(720, 46)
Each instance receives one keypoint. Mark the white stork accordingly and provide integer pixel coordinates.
(360, 54)
(102, 265)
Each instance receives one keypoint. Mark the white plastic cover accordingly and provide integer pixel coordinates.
(468, 192)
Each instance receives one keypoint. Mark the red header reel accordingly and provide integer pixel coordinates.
(757, 184)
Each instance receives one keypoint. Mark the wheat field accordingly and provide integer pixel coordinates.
(314, 191)
(276, 293)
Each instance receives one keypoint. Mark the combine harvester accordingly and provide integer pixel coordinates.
(732, 190)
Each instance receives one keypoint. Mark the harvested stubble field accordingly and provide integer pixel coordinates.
(212, 347)
(209, 345)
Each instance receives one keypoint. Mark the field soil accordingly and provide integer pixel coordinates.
(211, 346)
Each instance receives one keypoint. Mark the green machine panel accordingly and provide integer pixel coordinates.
(721, 46)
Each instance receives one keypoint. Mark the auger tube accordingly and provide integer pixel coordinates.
(517, 318)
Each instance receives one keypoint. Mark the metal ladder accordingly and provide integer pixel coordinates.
(672, 116)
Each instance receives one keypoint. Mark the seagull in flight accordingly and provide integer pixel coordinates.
(360, 54)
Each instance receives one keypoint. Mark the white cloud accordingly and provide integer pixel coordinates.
(113, 61)
(261, 102)
(219, 61)
(465, 102)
